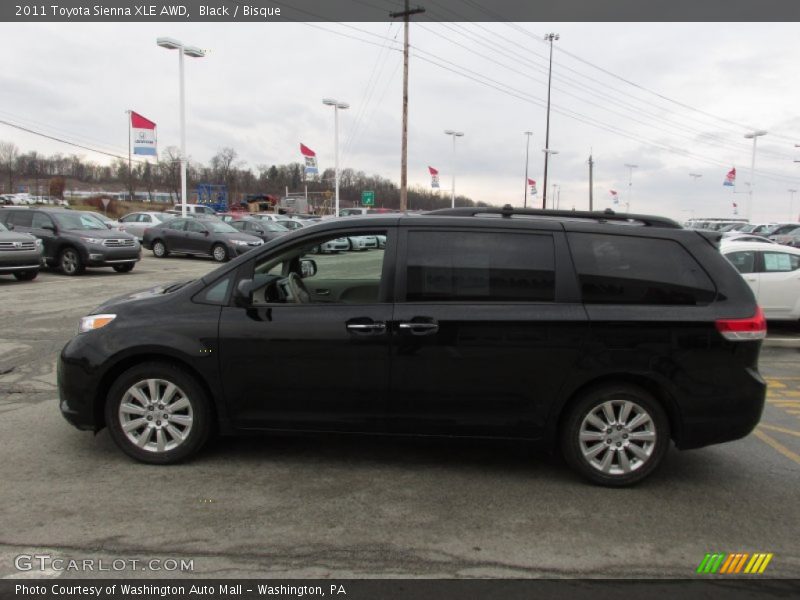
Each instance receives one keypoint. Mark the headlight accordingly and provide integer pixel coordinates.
(89, 240)
(239, 242)
(95, 322)
(38, 243)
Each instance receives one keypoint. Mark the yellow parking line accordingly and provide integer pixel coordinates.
(779, 429)
(777, 446)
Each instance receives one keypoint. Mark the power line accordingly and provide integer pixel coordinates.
(69, 143)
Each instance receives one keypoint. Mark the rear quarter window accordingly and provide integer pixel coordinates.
(618, 269)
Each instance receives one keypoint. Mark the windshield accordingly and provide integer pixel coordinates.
(220, 227)
(77, 221)
(101, 217)
(273, 226)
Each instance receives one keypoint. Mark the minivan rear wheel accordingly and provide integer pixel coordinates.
(157, 413)
(615, 435)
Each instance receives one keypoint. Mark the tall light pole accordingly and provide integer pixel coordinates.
(754, 135)
(336, 106)
(528, 135)
(193, 52)
(454, 134)
(791, 203)
(547, 153)
(548, 37)
(630, 185)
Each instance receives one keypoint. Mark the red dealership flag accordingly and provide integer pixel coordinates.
(434, 177)
(532, 183)
(310, 158)
(143, 134)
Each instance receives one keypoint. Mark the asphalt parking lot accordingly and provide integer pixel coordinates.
(302, 507)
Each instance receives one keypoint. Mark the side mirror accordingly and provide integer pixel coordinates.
(49, 228)
(243, 294)
(206, 232)
(259, 230)
(10, 226)
(308, 267)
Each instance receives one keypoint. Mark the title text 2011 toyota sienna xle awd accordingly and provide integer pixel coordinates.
(603, 335)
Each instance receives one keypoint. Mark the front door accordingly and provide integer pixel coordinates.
(311, 350)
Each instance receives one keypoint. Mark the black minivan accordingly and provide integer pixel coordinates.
(603, 335)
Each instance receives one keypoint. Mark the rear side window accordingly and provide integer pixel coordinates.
(616, 269)
(479, 267)
(21, 218)
(780, 262)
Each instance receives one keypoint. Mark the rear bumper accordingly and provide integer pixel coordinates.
(726, 417)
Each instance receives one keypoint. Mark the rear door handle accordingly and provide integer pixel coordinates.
(322, 292)
(428, 327)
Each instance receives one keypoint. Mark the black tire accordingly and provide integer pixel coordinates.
(26, 275)
(615, 461)
(126, 268)
(160, 249)
(198, 411)
(70, 262)
(219, 253)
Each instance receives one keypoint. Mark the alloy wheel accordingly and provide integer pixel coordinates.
(617, 437)
(156, 415)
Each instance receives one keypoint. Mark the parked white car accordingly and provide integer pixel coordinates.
(136, 223)
(772, 272)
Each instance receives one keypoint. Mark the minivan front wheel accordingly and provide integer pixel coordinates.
(615, 435)
(157, 413)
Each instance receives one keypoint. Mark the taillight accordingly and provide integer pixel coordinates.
(753, 328)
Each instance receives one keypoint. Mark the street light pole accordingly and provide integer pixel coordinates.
(454, 134)
(791, 203)
(191, 51)
(630, 185)
(336, 106)
(528, 135)
(754, 136)
(549, 37)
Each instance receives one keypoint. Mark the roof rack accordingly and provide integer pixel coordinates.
(605, 216)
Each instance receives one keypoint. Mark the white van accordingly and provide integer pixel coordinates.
(192, 209)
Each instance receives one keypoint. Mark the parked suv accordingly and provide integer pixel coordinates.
(605, 336)
(20, 254)
(74, 240)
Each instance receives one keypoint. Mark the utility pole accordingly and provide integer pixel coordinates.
(792, 192)
(630, 168)
(591, 182)
(528, 135)
(404, 151)
(549, 37)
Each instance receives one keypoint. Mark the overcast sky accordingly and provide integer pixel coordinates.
(260, 89)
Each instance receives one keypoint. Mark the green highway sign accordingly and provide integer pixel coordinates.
(368, 198)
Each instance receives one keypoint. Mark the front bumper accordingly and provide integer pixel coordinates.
(101, 256)
(75, 385)
(22, 260)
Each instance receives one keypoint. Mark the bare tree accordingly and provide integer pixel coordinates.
(9, 159)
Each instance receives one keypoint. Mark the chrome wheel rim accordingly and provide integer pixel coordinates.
(158, 249)
(617, 437)
(219, 253)
(69, 261)
(156, 415)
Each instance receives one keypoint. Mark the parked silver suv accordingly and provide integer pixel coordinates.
(20, 254)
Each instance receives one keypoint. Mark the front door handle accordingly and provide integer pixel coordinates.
(420, 327)
(366, 328)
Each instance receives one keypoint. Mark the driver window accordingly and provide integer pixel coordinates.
(332, 270)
